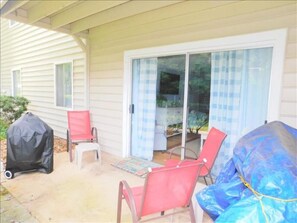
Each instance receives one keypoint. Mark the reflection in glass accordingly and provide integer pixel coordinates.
(170, 94)
(198, 98)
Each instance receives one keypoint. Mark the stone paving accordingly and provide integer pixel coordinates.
(11, 211)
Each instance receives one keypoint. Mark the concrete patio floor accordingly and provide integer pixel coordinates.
(13, 211)
(70, 194)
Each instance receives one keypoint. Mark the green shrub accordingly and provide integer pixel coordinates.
(3, 129)
(12, 108)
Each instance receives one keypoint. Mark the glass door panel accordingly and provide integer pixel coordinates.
(169, 107)
(157, 104)
(198, 101)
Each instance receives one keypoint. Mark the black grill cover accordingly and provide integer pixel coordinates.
(29, 145)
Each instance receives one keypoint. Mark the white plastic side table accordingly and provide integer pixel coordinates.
(85, 147)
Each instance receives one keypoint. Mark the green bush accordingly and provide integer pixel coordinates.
(12, 108)
(3, 129)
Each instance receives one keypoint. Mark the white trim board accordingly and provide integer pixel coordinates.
(274, 38)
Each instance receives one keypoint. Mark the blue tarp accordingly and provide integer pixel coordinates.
(266, 159)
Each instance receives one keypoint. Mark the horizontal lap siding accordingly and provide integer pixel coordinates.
(35, 51)
(184, 22)
(289, 91)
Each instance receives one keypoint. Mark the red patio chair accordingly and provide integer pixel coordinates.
(79, 129)
(208, 154)
(165, 188)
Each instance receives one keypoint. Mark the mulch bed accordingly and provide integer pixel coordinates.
(60, 145)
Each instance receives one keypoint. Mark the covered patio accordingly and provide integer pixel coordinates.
(95, 37)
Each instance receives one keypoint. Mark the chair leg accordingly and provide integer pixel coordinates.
(70, 153)
(120, 199)
(98, 153)
(67, 140)
(210, 178)
(192, 215)
(69, 146)
(205, 180)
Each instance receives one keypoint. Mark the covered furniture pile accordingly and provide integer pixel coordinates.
(259, 183)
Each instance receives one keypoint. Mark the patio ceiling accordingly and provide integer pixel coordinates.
(75, 17)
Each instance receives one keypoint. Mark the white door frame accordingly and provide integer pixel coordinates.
(274, 38)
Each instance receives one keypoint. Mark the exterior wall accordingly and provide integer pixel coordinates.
(35, 51)
(184, 22)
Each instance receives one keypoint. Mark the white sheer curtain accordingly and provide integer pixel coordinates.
(144, 100)
(239, 95)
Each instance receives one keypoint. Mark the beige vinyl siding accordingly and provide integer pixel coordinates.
(35, 51)
(183, 22)
(289, 91)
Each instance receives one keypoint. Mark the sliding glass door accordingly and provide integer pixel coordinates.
(177, 99)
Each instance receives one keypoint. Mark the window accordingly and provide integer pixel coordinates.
(63, 81)
(12, 23)
(16, 83)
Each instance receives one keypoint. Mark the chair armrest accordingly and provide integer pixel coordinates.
(125, 186)
(173, 162)
(196, 156)
(174, 149)
(186, 149)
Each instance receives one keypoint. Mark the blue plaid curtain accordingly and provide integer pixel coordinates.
(239, 95)
(144, 100)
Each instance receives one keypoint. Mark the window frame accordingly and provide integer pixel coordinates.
(13, 83)
(56, 88)
(273, 38)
